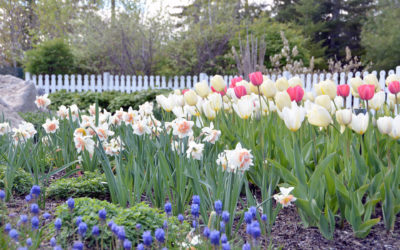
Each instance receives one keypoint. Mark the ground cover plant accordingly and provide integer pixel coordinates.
(215, 158)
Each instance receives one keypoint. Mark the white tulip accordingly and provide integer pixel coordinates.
(385, 124)
(377, 101)
(244, 108)
(395, 133)
(319, 116)
(359, 123)
(293, 116)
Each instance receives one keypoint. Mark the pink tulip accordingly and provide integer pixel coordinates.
(343, 90)
(240, 91)
(296, 93)
(234, 81)
(184, 91)
(366, 91)
(394, 87)
(219, 92)
(256, 78)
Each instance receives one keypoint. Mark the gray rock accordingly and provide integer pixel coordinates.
(19, 95)
(7, 114)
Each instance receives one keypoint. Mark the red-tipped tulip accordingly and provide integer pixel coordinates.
(240, 91)
(343, 90)
(296, 93)
(366, 91)
(184, 91)
(256, 78)
(219, 92)
(394, 87)
(234, 81)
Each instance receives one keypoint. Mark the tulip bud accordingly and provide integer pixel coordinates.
(327, 87)
(394, 87)
(366, 91)
(218, 83)
(234, 81)
(282, 84)
(296, 93)
(202, 89)
(324, 101)
(319, 116)
(215, 101)
(371, 79)
(190, 97)
(268, 88)
(256, 78)
(343, 90)
(344, 116)
(208, 110)
(240, 91)
(355, 83)
(282, 99)
(377, 101)
(385, 124)
(339, 102)
(295, 81)
(359, 123)
(392, 78)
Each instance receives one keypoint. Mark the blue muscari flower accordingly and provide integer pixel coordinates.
(248, 217)
(246, 247)
(77, 245)
(180, 218)
(53, 242)
(110, 224)
(34, 208)
(264, 217)
(195, 210)
(127, 244)
(78, 220)
(35, 190)
(164, 248)
(57, 248)
(22, 248)
(24, 218)
(46, 216)
(222, 226)
(206, 232)
(121, 233)
(168, 207)
(248, 229)
(13, 234)
(194, 224)
(29, 242)
(214, 238)
(218, 207)
(226, 246)
(82, 228)
(225, 216)
(95, 231)
(196, 200)
(255, 229)
(35, 222)
(224, 239)
(140, 247)
(115, 228)
(147, 239)
(253, 211)
(7, 228)
(165, 224)
(2, 195)
(160, 235)
(28, 198)
(57, 223)
(71, 203)
(102, 214)
(138, 226)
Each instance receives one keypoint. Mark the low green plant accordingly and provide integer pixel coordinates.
(149, 219)
(90, 184)
(22, 181)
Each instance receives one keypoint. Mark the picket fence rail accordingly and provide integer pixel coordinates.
(129, 84)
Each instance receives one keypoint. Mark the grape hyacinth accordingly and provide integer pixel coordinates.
(95, 231)
(34, 208)
(78, 220)
(35, 222)
(180, 218)
(226, 246)
(121, 233)
(218, 207)
(264, 217)
(2, 195)
(196, 199)
(77, 245)
(225, 216)
(71, 203)
(127, 244)
(53, 242)
(102, 214)
(13, 234)
(140, 247)
(168, 208)
(147, 239)
(160, 235)
(206, 232)
(46, 216)
(35, 191)
(214, 238)
(57, 224)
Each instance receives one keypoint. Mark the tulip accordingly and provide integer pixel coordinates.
(309, 96)
(339, 102)
(282, 99)
(371, 79)
(377, 101)
(215, 101)
(184, 91)
(256, 78)
(395, 133)
(296, 93)
(385, 124)
(366, 91)
(240, 91)
(344, 117)
(355, 83)
(244, 108)
(202, 89)
(319, 116)
(394, 87)
(208, 110)
(324, 101)
(293, 116)
(392, 78)
(218, 83)
(282, 84)
(295, 81)
(343, 90)
(327, 87)
(268, 88)
(359, 123)
(190, 97)
(234, 81)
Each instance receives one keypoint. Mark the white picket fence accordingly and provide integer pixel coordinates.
(129, 84)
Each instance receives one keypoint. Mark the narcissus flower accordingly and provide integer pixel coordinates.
(43, 101)
(211, 135)
(84, 142)
(182, 128)
(284, 197)
(51, 126)
(195, 150)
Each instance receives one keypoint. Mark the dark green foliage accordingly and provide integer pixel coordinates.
(22, 181)
(36, 118)
(90, 184)
(149, 218)
(110, 100)
(51, 57)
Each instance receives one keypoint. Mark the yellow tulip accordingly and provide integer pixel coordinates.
(319, 116)
(282, 84)
(295, 81)
(392, 78)
(324, 101)
(282, 99)
(327, 87)
(372, 80)
(268, 89)
(218, 83)
(190, 97)
(355, 82)
(202, 89)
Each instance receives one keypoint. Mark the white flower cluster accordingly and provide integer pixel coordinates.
(236, 160)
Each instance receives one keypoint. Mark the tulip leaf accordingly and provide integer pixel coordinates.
(365, 227)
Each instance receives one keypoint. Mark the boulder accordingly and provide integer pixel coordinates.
(7, 114)
(19, 95)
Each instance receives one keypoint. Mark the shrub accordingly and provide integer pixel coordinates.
(91, 184)
(51, 57)
(22, 181)
(88, 209)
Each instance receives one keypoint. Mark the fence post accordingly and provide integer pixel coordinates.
(106, 77)
(202, 77)
(27, 76)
